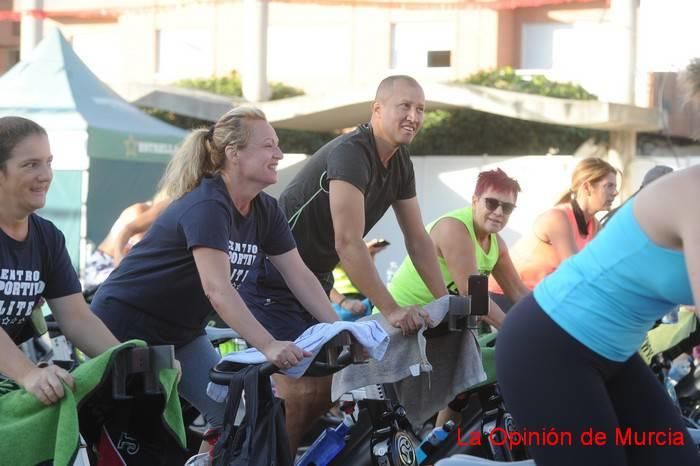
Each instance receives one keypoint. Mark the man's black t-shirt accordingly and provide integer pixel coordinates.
(156, 293)
(353, 158)
(37, 267)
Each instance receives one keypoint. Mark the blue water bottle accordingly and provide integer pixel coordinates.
(432, 440)
(327, 445)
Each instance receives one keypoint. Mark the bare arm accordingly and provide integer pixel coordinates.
(419, 245)
(553, 226)
(690, 236)
(214, 270)
(454, 244)
(305, 286)
(507, 277)
(348, 214)
(355, 306)
(336, 296)
(139, 225)
(81, 326)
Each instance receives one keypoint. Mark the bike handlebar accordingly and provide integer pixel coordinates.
(339, 352)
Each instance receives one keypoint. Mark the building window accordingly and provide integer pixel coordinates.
(541, 44)
(439, 58)
(420, 45)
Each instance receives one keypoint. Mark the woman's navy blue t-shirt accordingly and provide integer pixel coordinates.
(156, 293)
(37, 267)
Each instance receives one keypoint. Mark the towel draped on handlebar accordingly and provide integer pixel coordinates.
(427, 374)
(33, 433)
(369, 334)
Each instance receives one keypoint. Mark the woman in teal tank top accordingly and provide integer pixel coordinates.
(567, 358)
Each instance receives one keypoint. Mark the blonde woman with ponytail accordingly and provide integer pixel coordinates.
(203, 246)
(568, 226)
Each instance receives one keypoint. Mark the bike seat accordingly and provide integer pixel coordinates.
(468, 460)
(221, 334)
(338, 352)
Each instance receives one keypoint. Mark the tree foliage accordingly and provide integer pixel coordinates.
(470, 132)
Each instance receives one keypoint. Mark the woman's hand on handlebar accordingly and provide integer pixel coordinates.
(409, 319)
(354, 306)
(284, 354)
(45, 383)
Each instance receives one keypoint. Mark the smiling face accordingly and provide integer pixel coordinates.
(26, 175)
(257, 161)
(489, 209)
(397, 114)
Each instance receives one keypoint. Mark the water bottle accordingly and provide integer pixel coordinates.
(432, 440)
(680, 367)
(327, 445)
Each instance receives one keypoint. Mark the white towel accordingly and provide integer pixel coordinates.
(369, 334)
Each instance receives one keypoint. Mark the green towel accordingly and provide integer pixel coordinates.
(32, 433)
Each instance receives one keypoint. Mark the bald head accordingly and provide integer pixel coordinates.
(397, 112)
(386, 87)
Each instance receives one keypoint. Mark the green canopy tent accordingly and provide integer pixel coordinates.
(107, 153)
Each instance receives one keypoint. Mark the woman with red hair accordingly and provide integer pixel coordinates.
(467, 242)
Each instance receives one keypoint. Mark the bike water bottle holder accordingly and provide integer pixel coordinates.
(392, 442)
(146, 361)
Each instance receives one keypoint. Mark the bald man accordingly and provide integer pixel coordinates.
(340, 194)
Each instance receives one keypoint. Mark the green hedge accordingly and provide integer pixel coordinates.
(230, 85)
(291, 141)
(470, 132)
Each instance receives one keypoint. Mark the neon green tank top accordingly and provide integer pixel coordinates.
(408, 288)
(342, 283)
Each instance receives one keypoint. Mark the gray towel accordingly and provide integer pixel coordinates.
(427, 374)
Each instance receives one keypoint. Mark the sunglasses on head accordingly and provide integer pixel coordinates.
(492, 204)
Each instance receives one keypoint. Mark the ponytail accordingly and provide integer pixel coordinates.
(203, 151)
(590, 170)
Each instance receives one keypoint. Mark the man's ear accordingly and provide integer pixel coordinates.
(475, 199)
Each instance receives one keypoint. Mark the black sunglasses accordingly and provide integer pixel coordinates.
(492, 204)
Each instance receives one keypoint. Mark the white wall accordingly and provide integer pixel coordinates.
(446, 183)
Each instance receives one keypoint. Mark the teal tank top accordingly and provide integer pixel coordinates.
(610, 294)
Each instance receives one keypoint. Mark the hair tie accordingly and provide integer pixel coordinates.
(210, 133)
